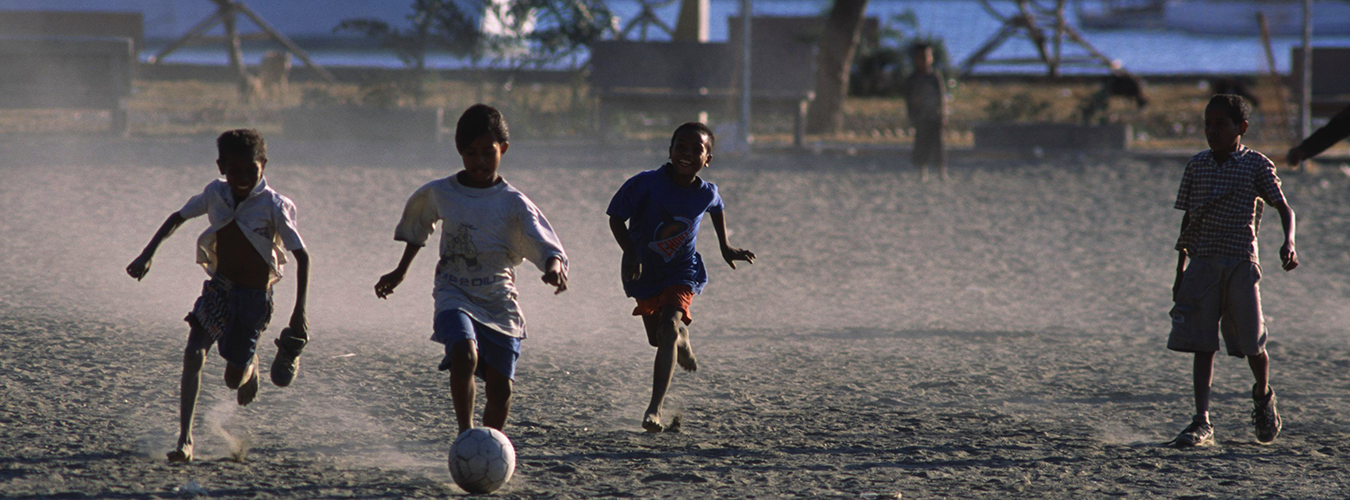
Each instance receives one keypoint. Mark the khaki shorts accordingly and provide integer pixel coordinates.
(1219, 295)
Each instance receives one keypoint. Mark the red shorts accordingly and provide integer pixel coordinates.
(678, 296)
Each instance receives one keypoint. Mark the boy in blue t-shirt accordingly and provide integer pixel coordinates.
(655, 218)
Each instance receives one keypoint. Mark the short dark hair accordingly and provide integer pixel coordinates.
(1232, 105)
(920, 46)
(695, 127)
(480, 120)
(241, 143)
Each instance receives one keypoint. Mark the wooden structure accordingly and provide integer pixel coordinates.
(68, 72)
(226, 14)
(1047, 30)
(1330, 87)
(45, 23)
(689, 77)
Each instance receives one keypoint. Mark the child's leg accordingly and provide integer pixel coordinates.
(463, 361)
(940, 151)
(1260, 365)
(497, 388)
(243, 379)
(193, 359)
(1203, 376)
(672, 336)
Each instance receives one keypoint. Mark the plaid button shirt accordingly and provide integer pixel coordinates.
(1224, 203)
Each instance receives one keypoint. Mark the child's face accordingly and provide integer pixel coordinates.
(242, 174)
(923, 60)
(481, 159)
(690, 152)
(1220, 130)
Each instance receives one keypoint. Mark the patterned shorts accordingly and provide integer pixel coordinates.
(231, 316)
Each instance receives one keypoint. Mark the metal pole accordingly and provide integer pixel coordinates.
(1305, 97)
(746, 12)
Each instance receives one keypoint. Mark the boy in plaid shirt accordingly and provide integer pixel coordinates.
(1222, 192)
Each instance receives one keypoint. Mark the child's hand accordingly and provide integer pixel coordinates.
(1288, 257)
(557, 278)
(299, 325)
(139, 267)
(555, 274)
(387, 284)
(631, 268)
(1294, 157)
(1176, 285)
(734, 254)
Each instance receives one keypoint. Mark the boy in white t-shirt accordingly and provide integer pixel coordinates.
(243, 251)
(487, 229)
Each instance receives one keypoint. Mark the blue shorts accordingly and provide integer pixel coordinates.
(235, 317)
(495, 349)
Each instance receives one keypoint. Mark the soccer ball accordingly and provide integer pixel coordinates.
(482, 460)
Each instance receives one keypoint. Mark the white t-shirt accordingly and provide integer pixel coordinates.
(485, 234)
(265, 217)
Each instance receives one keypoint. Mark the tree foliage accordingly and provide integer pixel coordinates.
(526, 32)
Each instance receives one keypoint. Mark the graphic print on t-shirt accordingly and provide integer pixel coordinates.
(670, 236)
(461, 252)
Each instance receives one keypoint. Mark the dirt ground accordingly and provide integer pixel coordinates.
(999, 335)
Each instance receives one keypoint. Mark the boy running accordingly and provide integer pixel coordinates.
(487, 229)
(243, 252)
(662, 210)
(1222, 192)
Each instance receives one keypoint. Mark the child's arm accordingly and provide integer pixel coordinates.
(298, 322)
(1288, 257)
(391, 281)
(141, 266)
(730, 254)
(631, 267)
(1181, 257)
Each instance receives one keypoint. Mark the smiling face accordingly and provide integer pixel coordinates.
(690, 151)
(1221, 132)
(481, 159)
(241, 173)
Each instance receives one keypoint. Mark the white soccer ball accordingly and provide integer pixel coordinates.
(482, 460)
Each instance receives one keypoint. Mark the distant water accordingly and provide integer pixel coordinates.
(963, 24)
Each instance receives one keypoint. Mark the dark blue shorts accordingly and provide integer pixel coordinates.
(495, 349)
(243, 314)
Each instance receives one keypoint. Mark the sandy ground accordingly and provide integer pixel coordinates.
(999, 335)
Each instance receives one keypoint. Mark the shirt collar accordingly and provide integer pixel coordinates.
(666, 172)
(1236, 155)
(257, 190)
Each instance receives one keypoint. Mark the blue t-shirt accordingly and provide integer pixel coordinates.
(663, 220)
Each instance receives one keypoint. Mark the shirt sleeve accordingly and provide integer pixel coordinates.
(535, 238)
(1267, 185)
(621, 205)
(419, 218)
(1184, 193)
(715, 206)
(197, 205)
(284, 219)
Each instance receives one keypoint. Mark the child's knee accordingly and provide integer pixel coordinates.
(194, 359)
(463, 357)
(234, 376)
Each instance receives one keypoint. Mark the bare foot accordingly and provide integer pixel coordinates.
(684, 351)
(249, 389)
(652, 422)
(181, 455)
